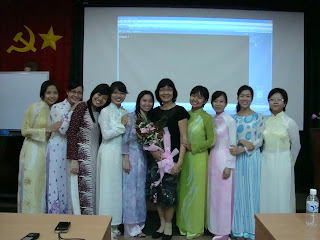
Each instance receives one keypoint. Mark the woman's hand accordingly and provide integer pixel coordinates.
(235, 150)
(54, 127)
(74, 106)
(176, 169)
(74, 167)
(247, 144)
(186, 144)
(157, 155)
(124, 119)
(126, 164)
(226, 173)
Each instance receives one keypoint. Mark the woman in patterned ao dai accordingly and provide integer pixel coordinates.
(35, 129)
(56, 164)
(280, 152)
(82, 149)
(135, 169)
(221, 170)
(248, 165)
(112, 121)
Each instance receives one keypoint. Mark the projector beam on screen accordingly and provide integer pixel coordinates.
(219, 49)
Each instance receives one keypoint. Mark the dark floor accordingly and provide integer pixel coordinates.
(10, 204)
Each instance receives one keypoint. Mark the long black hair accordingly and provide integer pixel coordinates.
(141, 94)
(103, 89)
(240, 90)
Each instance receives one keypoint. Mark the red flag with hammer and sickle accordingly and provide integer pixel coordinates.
(37, 31)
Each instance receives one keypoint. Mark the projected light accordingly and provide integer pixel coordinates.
(259, 33)
(219, 49)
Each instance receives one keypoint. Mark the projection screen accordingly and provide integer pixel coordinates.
(219, 49)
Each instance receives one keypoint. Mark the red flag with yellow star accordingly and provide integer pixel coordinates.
(37, 31)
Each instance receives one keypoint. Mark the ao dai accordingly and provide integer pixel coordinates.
(57, 195)
(82, 145)
(32, 179)
(280, 151)
(247, 176)
(133, 184)
(191, 213)
(221, 191)
(109, 174)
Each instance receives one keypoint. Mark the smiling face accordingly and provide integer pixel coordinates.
(146, 103)
(245, 99)
(197, 101)
(99, 100)
(51, 95)
(75, 95)
(219, 104)
(118, 97)
(166, 94)
(276, 103)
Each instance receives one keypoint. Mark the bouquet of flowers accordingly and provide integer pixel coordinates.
(154, 138)
(148, 133)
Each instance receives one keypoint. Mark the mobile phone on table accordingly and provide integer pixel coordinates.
(31, 236)
(62, 227)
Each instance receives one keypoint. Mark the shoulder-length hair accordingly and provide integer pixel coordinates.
(166, 82)
(44, 87)
(203, 91)
(73, 85)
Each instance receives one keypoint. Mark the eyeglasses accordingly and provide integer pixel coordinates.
(73, 92)
(276, 100)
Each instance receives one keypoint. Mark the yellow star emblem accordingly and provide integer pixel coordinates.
(49, 39)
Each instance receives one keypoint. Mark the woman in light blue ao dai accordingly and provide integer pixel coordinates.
(134, 170)
(248, 165)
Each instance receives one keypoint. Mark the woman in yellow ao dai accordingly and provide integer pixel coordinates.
(35, 129)
(280, 151)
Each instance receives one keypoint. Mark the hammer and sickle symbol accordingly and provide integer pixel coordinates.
(28, 45)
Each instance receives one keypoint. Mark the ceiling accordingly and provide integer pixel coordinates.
(269, 5)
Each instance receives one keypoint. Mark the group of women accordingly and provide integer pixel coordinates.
(93, 163)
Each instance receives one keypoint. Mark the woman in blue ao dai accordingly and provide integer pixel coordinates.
(57, 166)
(135, 168)
(248, 165)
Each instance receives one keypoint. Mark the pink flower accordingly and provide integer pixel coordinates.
(147, 129)
(314, 116)
(147, 133)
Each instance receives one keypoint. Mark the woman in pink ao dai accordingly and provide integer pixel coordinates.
(221, 171)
